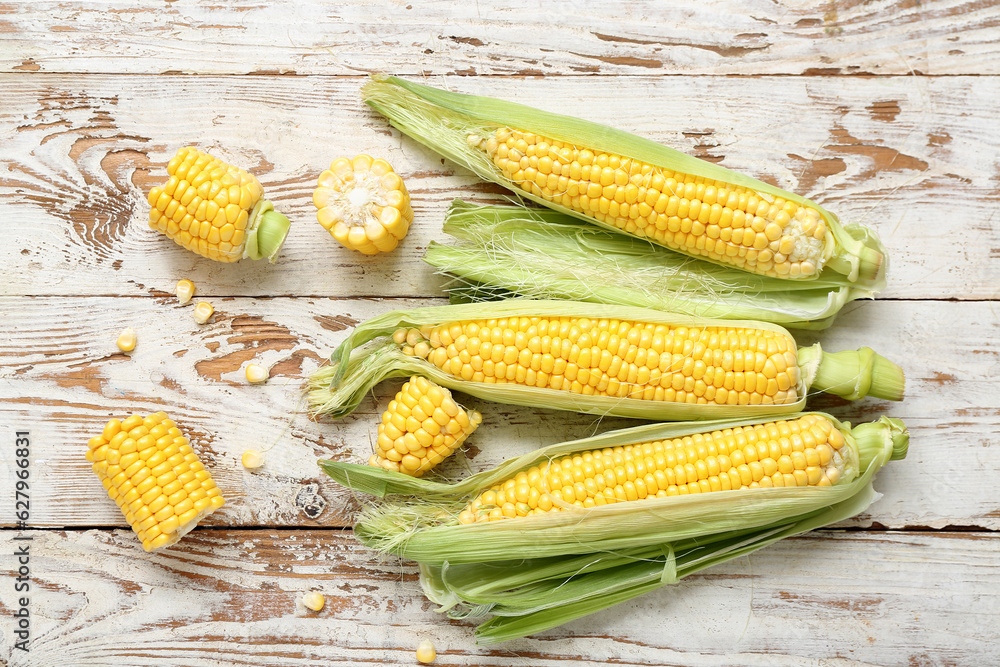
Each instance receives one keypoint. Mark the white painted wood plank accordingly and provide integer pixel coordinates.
(635, 37)
(232, 597)
(62, 378)
(910, 156)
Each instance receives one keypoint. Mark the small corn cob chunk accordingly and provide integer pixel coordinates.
(216, 210)
(364, 204)
(623, 182)
(422, 426)
(150, 470)
(808, 451)
(599, 359)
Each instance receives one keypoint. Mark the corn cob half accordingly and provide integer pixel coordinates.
(216, 210)
(149, 469)
(598, 359)
(632, 185)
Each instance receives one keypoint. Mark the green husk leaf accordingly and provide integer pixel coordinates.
(511, 250)
(444, 121)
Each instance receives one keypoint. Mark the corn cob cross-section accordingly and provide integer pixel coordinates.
(422, 426)
(364, 204)
(216, 210)
(149, 469)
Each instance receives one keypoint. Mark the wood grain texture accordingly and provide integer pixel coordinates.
(633, 37)
(64, 379)
(912, 157)
(233, 597)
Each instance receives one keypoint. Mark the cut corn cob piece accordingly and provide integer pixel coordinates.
(807, 451)
(436, 524)
(505, 251)
(422, 426)
(216, 210)
(632, 185)
(148, 467)
(597, 359)
(363, 204)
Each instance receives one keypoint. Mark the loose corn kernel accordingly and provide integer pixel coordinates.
(252, 459)
(738, 458)
(256, 373)
(139, 461)
(616, 358)
(313, 600)
(422, 426)
(126, 340)
(203, 312)
(426, 653)
(185, 291)
(363, 204)
(215, 210)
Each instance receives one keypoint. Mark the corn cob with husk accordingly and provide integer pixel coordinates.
(597, 359)
(505, 251)
(595, 545)
(629, 184)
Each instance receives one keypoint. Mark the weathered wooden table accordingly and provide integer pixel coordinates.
(883, 112)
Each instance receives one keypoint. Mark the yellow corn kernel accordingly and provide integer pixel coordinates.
(185, 291)
(203, 312)
(256, 373)
(722, 222)
(364, 204)
(252, 459)
(126, 340)
(422, 426)
(161, 515)
(216, 210)
(617, 358)
(313, 600)
(702, 463)
(426, 653)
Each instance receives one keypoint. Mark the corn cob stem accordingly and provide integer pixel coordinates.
(268, 230)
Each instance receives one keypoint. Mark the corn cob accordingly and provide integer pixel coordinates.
(363, 204)
(807, 451)
(630, 362)
(505, 251)
(422, 426)
(148, 468)
(216, 210)
(438, 522)
(622, 182)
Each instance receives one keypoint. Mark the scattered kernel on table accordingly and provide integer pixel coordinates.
(363, 204)
(313, 600)
(425, 652)
(203, 312)
(149, 469)
(256, 373)
(252, 459)
(185, 291)
(126, 340)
